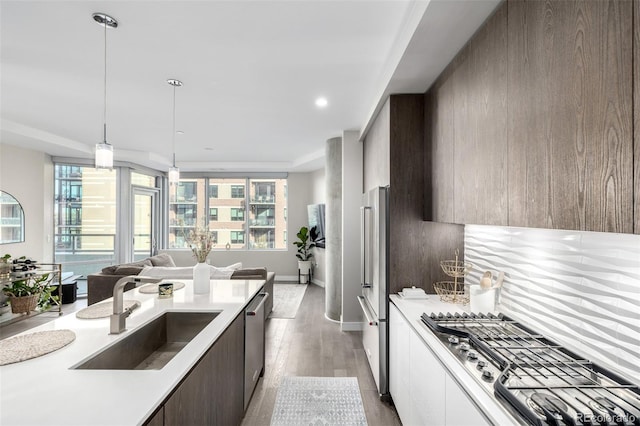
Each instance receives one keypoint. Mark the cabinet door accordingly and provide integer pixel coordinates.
(399, 371)
(460, 411)
(213, 391)
(570, 137)
(426, 385)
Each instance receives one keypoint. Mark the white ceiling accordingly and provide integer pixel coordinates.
(251, 71)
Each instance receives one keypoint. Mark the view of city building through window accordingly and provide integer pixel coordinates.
(84, 217)
(241, 213)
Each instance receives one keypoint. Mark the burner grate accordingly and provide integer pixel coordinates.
(544, 381)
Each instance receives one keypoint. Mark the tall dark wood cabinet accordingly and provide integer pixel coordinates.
(570, 115)
(636, 115)
(394, 155)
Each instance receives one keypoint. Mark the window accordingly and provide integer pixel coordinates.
(84, 210)
(143, 180)
(237, 214)
(237, 237)
(213, 191)
(237, 191)
(214, 234)
(245, 220)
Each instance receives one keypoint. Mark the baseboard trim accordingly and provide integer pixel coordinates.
(351, 326)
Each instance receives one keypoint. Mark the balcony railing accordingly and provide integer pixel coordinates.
(263, 199)
(262, 222)
(74, 244)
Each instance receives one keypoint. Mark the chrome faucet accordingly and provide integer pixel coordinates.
(119, 316)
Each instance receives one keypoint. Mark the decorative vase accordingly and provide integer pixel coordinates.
(24, 304)
(201, 280)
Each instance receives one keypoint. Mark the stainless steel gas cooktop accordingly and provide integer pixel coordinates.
(536, 379)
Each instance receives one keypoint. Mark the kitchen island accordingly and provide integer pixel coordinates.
(48, 390)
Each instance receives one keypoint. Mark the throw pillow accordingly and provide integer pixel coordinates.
(111, 270)
(184, 272)
(162, 259)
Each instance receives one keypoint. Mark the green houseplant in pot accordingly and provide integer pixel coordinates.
(306, 241)
(27, 293)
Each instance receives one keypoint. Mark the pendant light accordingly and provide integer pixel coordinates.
(104, 151)
(174, 172)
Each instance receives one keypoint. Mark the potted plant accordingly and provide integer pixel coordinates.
(306, 241)
(27, 293)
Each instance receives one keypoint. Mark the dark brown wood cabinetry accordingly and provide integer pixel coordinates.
(212, 393)
(636, 115)
(394, 155)
(570, 115)
(532, 123)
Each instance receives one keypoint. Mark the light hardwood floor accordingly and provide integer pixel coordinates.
(311, 345)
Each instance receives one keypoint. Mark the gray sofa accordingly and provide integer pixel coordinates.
(100, 285)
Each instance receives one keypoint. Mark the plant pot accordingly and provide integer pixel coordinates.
(304, 267)
(24, 304)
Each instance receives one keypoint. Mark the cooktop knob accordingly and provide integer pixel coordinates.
(481, 364)
(453, 340)
(472, 356)
(464, 346)
(487, 375)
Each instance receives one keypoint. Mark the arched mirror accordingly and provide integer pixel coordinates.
(11, 219)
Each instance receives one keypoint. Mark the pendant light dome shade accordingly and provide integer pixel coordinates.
(104, 151)
(174, 172)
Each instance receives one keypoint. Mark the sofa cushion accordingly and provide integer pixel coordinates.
(184, 272)
(113, 269)
(162, 259)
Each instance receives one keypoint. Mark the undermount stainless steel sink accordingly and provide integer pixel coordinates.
(153, 345)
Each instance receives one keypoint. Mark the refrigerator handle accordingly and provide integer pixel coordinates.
(363, 247)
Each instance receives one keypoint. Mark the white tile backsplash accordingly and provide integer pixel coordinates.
(580, 288)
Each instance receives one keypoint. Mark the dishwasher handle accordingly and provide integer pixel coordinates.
(255, 310)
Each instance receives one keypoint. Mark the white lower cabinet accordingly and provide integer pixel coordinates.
(460, 411)
(427, 378)
(399, 376)
(422, 390)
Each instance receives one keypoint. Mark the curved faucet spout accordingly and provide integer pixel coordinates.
(118, 324)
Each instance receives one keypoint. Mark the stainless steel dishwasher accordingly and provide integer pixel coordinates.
(253, 345)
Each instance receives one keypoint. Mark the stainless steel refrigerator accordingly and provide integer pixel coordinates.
(374, 279)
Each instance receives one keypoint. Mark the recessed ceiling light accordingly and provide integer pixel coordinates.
(321, 102)
(208, 149)
(179, 132)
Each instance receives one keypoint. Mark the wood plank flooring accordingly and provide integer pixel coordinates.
(311, 345)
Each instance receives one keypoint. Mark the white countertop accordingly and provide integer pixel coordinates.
(412, 309)
(46, 391)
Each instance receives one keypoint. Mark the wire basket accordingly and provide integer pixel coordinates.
(456, 268)
(451, 292)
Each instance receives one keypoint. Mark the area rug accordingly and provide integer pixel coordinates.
(287, 299)
(318, 401)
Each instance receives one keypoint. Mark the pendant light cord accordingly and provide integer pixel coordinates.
(174, 126)
(105, 82)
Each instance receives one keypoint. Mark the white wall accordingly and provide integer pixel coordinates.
(28, 176)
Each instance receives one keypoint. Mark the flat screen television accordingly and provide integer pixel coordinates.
(316, 218)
